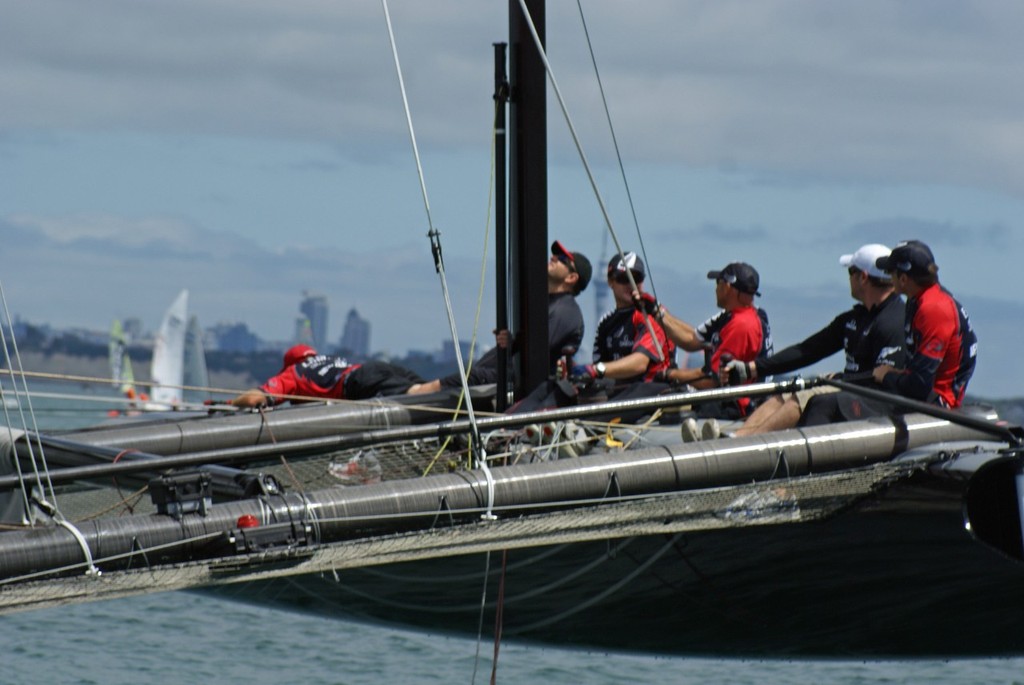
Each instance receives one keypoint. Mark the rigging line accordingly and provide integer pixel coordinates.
(21, 413)
(483, 277)
(615, 144)
(435, 243)
(586, 165)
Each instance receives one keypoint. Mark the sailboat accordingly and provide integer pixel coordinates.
(178, 364)
(195, 377)
(895, 535)
(167, 371)
(121, 373)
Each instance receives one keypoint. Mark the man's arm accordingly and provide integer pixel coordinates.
(250, 399)
(681, 333)
(630, 366)
(694, 377)
(935, 327)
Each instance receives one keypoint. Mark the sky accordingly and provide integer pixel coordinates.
(250, 150)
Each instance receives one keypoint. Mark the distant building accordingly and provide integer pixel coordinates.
(447, 355)
(355, 337)
(232, 337)
(314, 307)
(303, 331)
(132, 327)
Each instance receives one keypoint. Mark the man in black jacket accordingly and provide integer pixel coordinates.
(871, 333)
(568, 276)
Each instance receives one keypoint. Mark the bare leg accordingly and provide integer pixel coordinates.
(776, 413)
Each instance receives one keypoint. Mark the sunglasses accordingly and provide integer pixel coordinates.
(854, 270)
(621, 277)
(727, 278)
(568, 261)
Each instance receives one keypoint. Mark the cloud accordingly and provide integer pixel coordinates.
(85, 271)
(935, 233)
(885, 91)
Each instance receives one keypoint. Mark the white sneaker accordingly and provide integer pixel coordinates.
(689, 430)
(574, 441)
(710, 430)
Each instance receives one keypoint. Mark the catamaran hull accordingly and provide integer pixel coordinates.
(898, 575)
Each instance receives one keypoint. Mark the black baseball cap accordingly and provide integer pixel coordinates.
(911, 257)
(579, 262)
(631, 261)
(739, 275)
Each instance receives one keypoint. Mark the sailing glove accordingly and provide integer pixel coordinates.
(584, 371)
(737, 372)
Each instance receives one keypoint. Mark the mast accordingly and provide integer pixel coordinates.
(501, 393)
(528, 198)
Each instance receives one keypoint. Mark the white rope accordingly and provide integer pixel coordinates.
(39, 463)
(434, 236)
(91, 569)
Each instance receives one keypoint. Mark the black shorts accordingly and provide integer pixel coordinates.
(379, 379)
(483, 371)
(842, 406)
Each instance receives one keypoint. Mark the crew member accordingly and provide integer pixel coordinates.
(740, 331)
(871, 334)
(308, 376)
(568, 276)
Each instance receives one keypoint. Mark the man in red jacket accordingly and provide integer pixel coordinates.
(308, 376)
(941, 345)
(740, 331)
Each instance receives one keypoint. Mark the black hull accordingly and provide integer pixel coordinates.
(898, 576)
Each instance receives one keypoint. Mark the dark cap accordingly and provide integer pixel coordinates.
(296, 353)
(739, 275)
(911, 257)
(580, 264)
(630, 261)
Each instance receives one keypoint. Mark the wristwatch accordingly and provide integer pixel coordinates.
(600, 368)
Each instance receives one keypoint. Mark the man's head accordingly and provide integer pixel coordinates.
(862, 267)
(619, 270)
(297, 353)
(737, 282)
(910, 262)
(568, 271)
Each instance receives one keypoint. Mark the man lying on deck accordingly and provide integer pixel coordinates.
(313, 376)
(871, 334)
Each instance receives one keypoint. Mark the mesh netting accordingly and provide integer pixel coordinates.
(790, 501)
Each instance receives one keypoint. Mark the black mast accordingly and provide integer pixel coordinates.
(528, 197)
(501, 95)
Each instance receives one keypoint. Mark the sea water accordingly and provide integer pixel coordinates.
(191, 637)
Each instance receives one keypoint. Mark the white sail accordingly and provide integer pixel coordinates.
(168, 369)
(195, 373)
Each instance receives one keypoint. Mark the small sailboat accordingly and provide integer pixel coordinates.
(122, 374)
(179, 360)
(168, 366)
(195, 374)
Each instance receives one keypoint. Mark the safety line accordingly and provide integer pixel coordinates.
(435, 242)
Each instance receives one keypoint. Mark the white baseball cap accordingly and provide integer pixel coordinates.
(865, 259)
